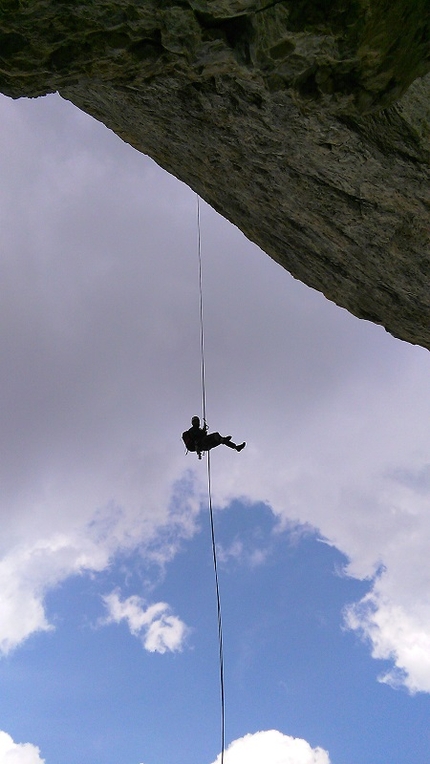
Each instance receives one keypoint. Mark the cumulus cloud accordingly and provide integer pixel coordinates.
(25, 575)
(394, 617)
(272, 747)
(18, 753)
(357, 470)
(397, 634)
(99, 341)
(88, 464)
(159, 630)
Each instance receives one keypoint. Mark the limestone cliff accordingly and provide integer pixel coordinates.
(304, 122)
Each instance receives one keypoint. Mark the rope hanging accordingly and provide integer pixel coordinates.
(218, 602)
(202, 330)
(214, 555)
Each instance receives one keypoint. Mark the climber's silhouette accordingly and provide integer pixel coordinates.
(198, 439)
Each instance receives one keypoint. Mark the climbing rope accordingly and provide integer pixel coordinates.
(218, 602)
(211, 519)
(202, 327)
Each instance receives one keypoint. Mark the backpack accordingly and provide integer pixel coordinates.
(189, 441)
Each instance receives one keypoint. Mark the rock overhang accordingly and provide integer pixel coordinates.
(304, 123)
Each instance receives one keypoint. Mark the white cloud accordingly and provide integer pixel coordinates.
(25, 575)
(272, 747)
(396, 634)
(88, 461)
(245, 554)
(395, 616)
(159, 630)
(18, 753)
(358, 470)
(99, 341)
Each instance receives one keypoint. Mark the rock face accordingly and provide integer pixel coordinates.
(304, 122)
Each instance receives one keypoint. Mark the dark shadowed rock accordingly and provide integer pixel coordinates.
(304, 122)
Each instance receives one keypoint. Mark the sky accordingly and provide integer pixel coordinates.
(108, 628)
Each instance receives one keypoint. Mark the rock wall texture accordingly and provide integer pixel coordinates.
(304, 122)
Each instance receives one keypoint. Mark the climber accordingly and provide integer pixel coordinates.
(198, 439)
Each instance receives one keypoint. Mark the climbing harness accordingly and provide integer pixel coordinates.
(209, 482)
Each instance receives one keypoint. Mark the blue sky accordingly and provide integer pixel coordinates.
(92, 694)
(108, 628)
